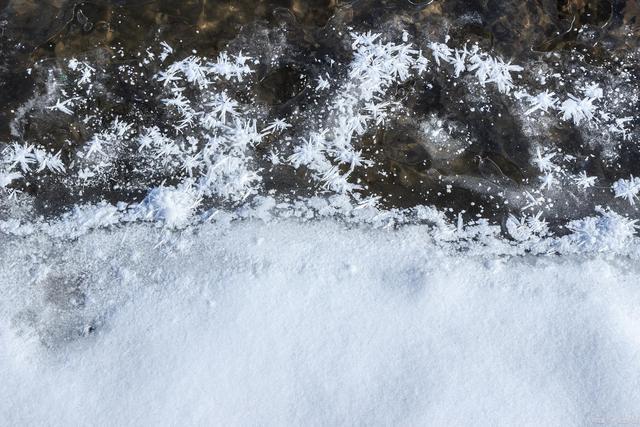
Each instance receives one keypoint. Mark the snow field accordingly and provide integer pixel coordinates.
(310, 324)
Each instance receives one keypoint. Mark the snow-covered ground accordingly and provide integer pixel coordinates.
(310, 324)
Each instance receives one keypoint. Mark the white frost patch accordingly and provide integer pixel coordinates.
(172, 206)
(309, 324)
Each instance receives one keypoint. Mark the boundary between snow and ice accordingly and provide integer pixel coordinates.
(376, 66)
(607, 233)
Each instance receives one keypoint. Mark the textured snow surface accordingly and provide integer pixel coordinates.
(310, 324)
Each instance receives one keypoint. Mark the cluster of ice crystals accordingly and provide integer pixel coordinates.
(627, 189)
(607, 232)
(375, 68)
(578, 110)
(23, 157)
(527, 228)
(487, 69)
(208, 144)
(575, 109)
(196, 70)
(358, 105)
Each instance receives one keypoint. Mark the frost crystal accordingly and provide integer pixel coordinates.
(578, 110)
(87, 74)
(619, 127)
(223, 106)
(527, 228)
(459, 62)
(308, 154)
(627, 189)
(608, 232)
(548, 180)
(543, 101)
(230, 69)
(211, 145)
(584, 181)
(544, 162)
(166, 51)
(194, 71)
(51, 162)
(593, 91)
(277, 125)
(323, 84)
(500, 74)
(441, 51)
(63, 106)
(20, 155)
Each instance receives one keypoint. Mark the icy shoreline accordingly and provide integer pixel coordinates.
(315, 323)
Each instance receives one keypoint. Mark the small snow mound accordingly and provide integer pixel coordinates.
(170, 205)
(94, 216)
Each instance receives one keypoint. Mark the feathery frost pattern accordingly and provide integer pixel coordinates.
(209, 152)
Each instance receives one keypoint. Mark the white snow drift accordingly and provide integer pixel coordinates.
(314, 324)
